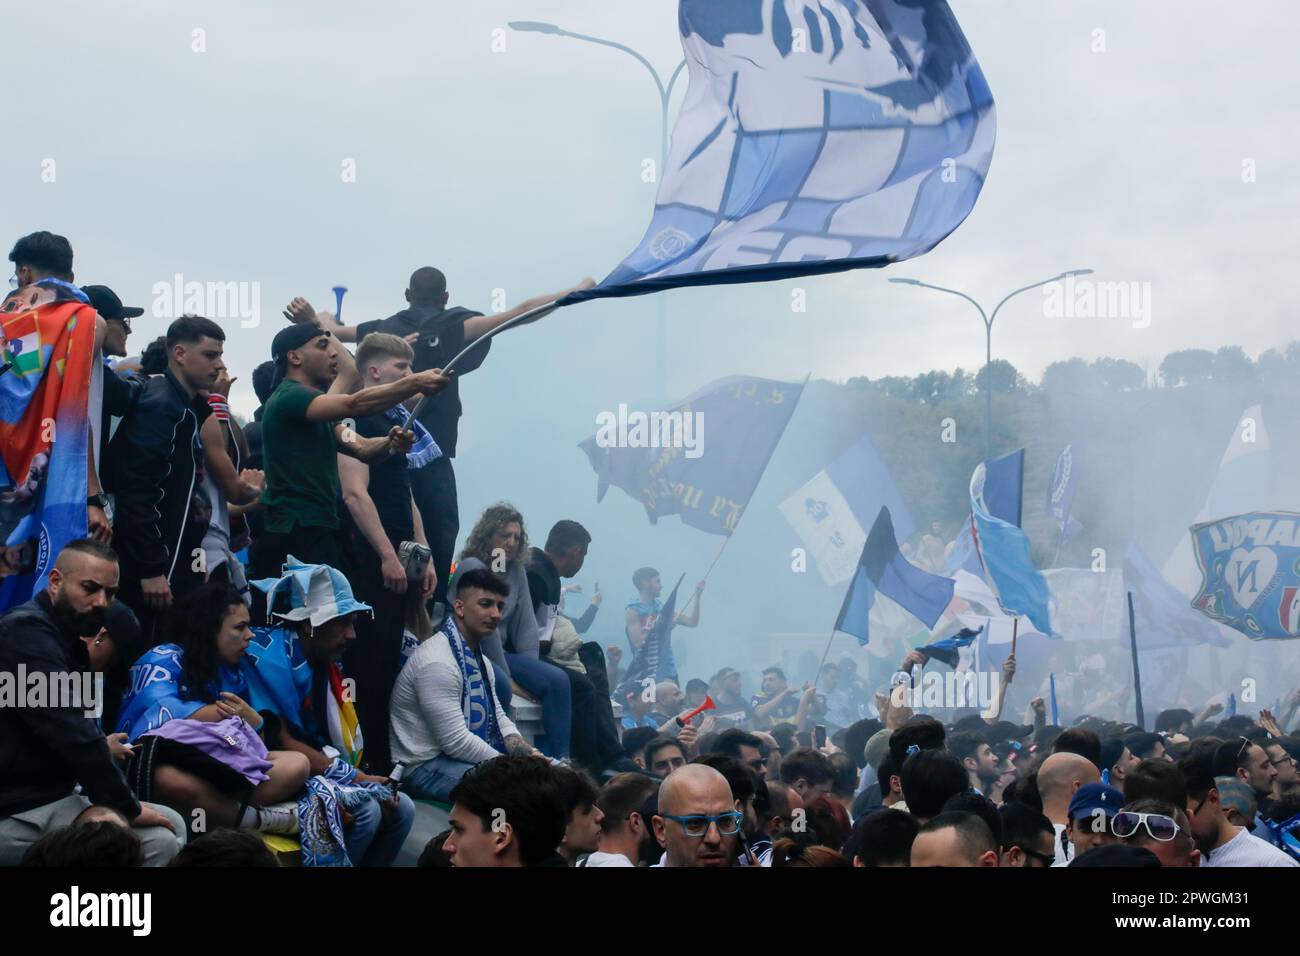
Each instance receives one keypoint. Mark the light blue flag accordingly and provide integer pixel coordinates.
(816, 136)
(1004, 480)
(1003, 551)
(833, 510)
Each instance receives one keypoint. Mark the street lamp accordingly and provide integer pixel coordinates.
(665, 94)
(988, 335)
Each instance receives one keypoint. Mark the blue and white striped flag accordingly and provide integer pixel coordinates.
(817, 136)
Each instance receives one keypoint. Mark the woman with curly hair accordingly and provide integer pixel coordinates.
(499, 543)
(197, 677)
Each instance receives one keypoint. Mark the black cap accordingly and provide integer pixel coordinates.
(291, 338)
(107, 303)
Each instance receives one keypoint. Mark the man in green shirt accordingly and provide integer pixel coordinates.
(308, 420)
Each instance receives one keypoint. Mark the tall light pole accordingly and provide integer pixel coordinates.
(988, 336)
(665, 95)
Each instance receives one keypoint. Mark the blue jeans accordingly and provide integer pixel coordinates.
(551, 686)
(434, 779)
(372, 839)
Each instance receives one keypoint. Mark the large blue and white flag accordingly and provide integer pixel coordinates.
(1250, 565)
(1004, 555)
(832, 511)
(882, 568)
(816, 136)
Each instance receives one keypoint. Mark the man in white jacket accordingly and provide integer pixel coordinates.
(445, 716)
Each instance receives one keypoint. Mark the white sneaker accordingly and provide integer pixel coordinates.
(278, 818)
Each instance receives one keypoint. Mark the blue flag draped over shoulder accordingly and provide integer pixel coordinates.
(1251, 569)
(816, 136)
(701, 459)
(1004, 555)
(882, 568)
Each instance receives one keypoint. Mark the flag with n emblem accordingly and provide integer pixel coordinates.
(47, 336)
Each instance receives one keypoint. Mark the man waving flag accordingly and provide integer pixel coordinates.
(817, 136)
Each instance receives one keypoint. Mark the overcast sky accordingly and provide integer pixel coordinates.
(521, 170)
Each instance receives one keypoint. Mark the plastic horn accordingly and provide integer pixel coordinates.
(338, 303)
(707, 705)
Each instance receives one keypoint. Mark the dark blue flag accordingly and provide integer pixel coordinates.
(653, 652)
(946, 650)
(883, 568)
(1060, 491)
(700, 459)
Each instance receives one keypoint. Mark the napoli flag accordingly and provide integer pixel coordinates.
(817, 136)
(1004, 557)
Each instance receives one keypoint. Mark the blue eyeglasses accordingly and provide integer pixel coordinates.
(696, 825)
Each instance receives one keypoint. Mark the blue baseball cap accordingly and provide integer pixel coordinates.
(1092, 797)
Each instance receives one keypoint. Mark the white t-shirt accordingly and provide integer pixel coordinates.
(1246, 849)
(606, 859)
(1064, 849)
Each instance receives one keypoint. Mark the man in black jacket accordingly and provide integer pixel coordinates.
(595, 735)
(153, 467)
(51, 742)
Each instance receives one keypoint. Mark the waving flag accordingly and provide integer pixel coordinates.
(701, 459)
(1251, 569)
(1004, 480)
(47, 336)
(1060, 493)
(883, 568)
(1003, 551)
(833, 510)
(947, 651)
(817, 136)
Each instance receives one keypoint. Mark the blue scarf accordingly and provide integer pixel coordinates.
(477, 702)
(425, 449)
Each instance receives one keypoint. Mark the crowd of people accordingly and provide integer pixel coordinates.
(290, 647)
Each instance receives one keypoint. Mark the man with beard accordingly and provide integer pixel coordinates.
(48, 747)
